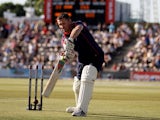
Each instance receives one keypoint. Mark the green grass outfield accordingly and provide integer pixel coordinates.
(112, 100)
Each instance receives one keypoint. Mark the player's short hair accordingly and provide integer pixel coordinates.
(63, 16)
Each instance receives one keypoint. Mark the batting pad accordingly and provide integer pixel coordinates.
(89, 74)
(76, 87)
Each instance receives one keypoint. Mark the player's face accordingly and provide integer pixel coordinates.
(64, 24)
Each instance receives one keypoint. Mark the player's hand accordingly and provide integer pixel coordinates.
(69, 49)
(69, 44)
(67, 55)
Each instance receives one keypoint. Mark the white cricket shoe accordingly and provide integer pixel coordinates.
(70, 109)
(79, 113)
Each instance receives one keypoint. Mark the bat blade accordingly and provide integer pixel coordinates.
(53, 78)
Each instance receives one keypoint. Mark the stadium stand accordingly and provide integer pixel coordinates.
(145, 54)
(35, 43)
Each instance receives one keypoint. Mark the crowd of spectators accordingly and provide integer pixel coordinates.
(34, 43)
(145, 54)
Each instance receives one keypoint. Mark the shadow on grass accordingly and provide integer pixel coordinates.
(120, 117)
(106, 116)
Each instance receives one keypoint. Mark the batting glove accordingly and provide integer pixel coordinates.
(69, 44)
(69, 49)
(69, 55)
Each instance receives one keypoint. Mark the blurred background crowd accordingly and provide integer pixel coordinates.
(35, 43)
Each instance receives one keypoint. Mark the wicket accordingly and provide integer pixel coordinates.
(35, 105)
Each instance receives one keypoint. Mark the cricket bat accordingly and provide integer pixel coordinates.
(53, 78)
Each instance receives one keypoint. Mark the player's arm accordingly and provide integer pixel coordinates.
(70, 42)
(76, 31)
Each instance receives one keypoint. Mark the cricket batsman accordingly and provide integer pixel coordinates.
(77, 38)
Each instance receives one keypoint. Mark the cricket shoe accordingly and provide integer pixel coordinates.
(79, 113)
(70, 109)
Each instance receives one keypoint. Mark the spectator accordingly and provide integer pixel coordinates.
(111, 27)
